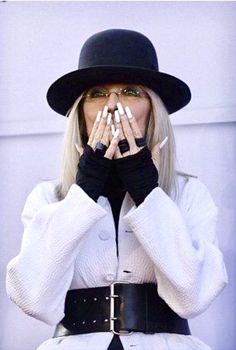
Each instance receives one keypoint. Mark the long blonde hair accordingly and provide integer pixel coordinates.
(158, 128)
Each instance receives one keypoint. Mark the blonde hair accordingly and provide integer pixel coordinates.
(158, 128)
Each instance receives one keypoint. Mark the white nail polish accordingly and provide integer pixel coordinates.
(128, 112)
(99, 114)
(120, 108)
(108, 118)
(162, 144)
(105, 110)
(116, 133)
(113, 129)
(77, 147)
(117, 116)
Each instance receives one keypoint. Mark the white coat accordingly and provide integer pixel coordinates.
(71, 244)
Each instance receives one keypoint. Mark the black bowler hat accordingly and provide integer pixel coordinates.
(118, 56)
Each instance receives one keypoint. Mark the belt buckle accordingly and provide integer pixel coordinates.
(113, 318)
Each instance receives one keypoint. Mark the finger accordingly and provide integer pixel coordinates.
(133, 123)
(111, 134)
(128, 133)
(113, 129)
(101, 127)
(107, 131)
(113, 145)
(95, 126)
(117, 153)
(118, 114)
(118, 125)
(120, 108)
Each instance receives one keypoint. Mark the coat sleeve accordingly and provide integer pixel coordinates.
(39, 277)
(181, 241)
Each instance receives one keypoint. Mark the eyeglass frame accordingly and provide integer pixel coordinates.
(140, 93)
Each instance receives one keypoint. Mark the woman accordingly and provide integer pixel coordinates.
(121, 250)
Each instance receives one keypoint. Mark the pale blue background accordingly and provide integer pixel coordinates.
(40, 41)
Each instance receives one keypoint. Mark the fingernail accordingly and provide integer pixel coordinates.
(116, 133)
(163, 142)
(108, 118)
(113, 129)
(120, 108)
(117, 116)
(128, 112)
(105, 110)
(77, 147)
(98, 116)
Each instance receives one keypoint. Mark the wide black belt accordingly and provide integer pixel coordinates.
(122, 308)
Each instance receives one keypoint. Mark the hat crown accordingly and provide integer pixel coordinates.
(118, 56)
(118, 48)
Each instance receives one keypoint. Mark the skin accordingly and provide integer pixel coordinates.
(140, 108)
(99, 131)
(129, 128)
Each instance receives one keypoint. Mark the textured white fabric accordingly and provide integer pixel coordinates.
(71, 244)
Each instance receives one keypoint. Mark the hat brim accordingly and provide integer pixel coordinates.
(61, 95)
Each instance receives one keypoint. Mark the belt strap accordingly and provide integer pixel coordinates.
(122, 308)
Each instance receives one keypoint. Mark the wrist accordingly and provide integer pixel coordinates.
(92, 173)
(139, 174)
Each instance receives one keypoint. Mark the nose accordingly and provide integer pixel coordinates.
(112, 101)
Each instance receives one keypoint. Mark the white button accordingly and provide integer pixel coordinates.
(104, 235)
(110, 277)
(102, 201)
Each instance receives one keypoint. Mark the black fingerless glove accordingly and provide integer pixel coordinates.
(93, 170)
(138, 174)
